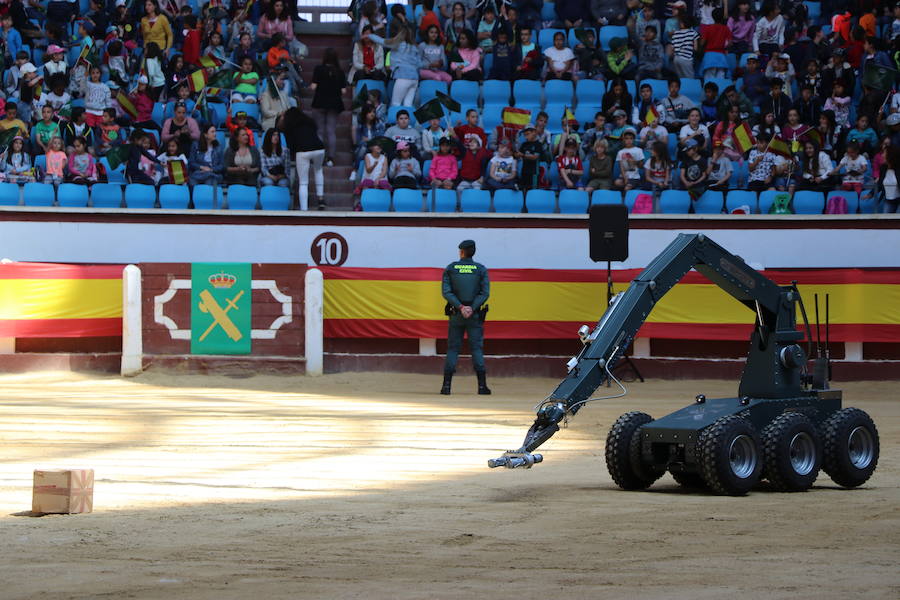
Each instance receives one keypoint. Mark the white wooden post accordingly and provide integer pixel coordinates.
(427, 347)
(853, 351)
(132, 335)
(315, 292)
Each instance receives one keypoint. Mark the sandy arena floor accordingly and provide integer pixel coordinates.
(373, 486)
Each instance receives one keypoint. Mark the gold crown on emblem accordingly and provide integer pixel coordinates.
(222, 280)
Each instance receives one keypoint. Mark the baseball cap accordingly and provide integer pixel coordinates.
(444, 141)
(753, 57)
(893, 119)
(466, 244)
(619, 113)
(27, 68)
(402, 146)
(121, 3)
(143, 79)
(240, 113)
(690, 143)
(54, 49)
(529, 126)
(785, 56)
(505, 142)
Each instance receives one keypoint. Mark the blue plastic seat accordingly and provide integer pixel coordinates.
(218, 112)
(242, 197)
(72, 195)
(713, 60)
(371, 84)
(158, 115)
(738, 198)
(527, 92)
(590, 91)
(606, 197)
(252, 110)
(659, 87)
(809, 203)
(508, 201)
(106, 195)
(495, 91)
(274, 197)
(573, 39)
(465, 92)
(674, 202)
(548, 11)
(428, 87)
(40, 163)
(9, 194)
(766, 198)
(559, 91)
(710, 203)
(373, 200)
(39, 194)
(441, 200)
(813, 11)
(206, 197)
(540, 201)
(608, 32)
(491, 116)
(868, 203)
(554, 117)
(573, 202)
(139, 195)
(693, 89)
(723, 83)
(407, 200)
(392, 114)
(475, 201)
(631, 198)
(487, 63)
(113, 175)
(585, 114)
(852, 199)
(174, 197)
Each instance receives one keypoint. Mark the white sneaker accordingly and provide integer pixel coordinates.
(352, 176)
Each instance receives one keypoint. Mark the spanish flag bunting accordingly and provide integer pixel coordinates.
(780, 147)
(210, 62)
(516, 118)
(177, 172)
(652, 115)
(743, 138)
(126, 104)
(197, 80)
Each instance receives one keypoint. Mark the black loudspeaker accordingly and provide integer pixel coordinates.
(609, 232)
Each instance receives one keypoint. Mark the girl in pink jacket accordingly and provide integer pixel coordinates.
(443, 170)
(82, 166)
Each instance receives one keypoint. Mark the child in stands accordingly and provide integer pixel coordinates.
(569, 165)
(629, 158)
(501, 169)
(694, 170)
(530, 151)
(443, 171)
(599, 168)
(658, 169)
(46, 129)
(855, 167)
(761, 163)
(82, 168)
(17, 168)
(375, 170)
(471, 173)
(404, 171)
(719, 169)
(56, 162)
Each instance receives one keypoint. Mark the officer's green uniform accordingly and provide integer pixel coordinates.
(465, 283)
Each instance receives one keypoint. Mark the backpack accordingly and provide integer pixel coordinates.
(837, 205)
(781, 205)
(643, 205)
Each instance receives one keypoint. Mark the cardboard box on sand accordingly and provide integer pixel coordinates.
(65, 491)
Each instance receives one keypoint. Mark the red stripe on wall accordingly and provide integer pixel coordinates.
(57, 271)
(782, 277)
(60, 328)
(364, 328)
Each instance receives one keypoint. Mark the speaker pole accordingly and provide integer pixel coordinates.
(609, 286)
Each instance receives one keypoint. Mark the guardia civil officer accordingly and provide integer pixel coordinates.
(466, 289)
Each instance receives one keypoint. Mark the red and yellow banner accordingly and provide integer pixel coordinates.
(55, 300)
(552, 304)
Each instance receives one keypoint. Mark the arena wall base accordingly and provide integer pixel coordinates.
(230, 366)
(79, 362)
(555, 366)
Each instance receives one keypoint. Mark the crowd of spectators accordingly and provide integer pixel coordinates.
(122, 90)
(781, 98)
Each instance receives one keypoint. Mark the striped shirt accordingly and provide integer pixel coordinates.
(267, 163)
(683, 41)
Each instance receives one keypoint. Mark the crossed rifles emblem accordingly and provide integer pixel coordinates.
(209, 305)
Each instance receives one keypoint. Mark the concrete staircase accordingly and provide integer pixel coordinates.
(338, 189)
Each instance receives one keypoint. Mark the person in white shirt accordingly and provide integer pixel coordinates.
(694, 130)
(815, 170)
(653, 133)
(560, 58)
(855, 167)
(630, 158)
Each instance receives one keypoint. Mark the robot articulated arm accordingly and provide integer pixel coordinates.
(771, 365)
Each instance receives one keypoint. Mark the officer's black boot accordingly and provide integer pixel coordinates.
(445, 388)
(483, 389)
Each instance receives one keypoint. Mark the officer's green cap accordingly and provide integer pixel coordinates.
(466, 244)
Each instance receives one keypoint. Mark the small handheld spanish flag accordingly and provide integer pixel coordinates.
(743, 138)
(126, 104)
(780, 147)
(652, 115)
(516, 118)
(210, 62)
(177, 172)
(197, 80)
